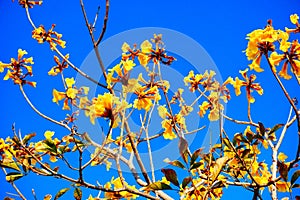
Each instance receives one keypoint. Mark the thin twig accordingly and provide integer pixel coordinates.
(29, 18)
(14, 186)
(41, 114)
(240, 122)
(104, 23)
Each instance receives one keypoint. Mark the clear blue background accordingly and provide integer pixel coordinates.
(219, 26)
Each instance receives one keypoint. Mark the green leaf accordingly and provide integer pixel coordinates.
(295, 177)
(175, 163)
(275, 128)
(10, 165)
(186, 181)
(50, 146)
(60, 193)
(28, 137)
(12, 176)
(171, 176)
(195, 155)
(196, 165)
(77, 194)
(158, 186)
(182, 146)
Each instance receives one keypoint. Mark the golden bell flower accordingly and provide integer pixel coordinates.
(51, 36)
(294, 18)
(71, 94)
(248, 82)
(18, 70)
(60, 66)
(29, 3)
(145, 97)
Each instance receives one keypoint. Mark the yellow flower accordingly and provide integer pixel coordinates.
(107, 106)
(205, 79)
(51, 36)
(294, 18)
(203, 108)
(261, 41)
(275, 59)
(169, 122)
(146, 47)
(29, 3)
(48, 135)
(168, 133)
(162, 111)
(249, 85)
(127, 65)
(125, 47)
(213, 105)
(143, 59)
(255, 65)
(122, 70)
(145, 97)
(118, 185)
(282, 157)
(60, 65)
(18, 69)
(53, 158)
(71, 94)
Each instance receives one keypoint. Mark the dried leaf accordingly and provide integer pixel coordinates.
(77, 194)
(48, 197)
(61, 192)
(195, 155)
(196, 165)
(183, 145)
(295, 177)
(186, 181)
(220, 163)
(171, 176)
(175, 163)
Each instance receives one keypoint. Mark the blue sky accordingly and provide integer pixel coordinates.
(219, 26)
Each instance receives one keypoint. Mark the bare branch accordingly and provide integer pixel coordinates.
(104, 23)
(41, 114)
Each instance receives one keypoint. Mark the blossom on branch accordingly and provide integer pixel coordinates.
(29, 4)
(18, 69)
(71, 93)
(51, 36)
(248, 83)
(61, 65)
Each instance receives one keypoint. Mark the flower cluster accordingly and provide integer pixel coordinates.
(18, 69)
(29, 3)
(54, 38)
(61, 65)
(249, 85)
(71, 94)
